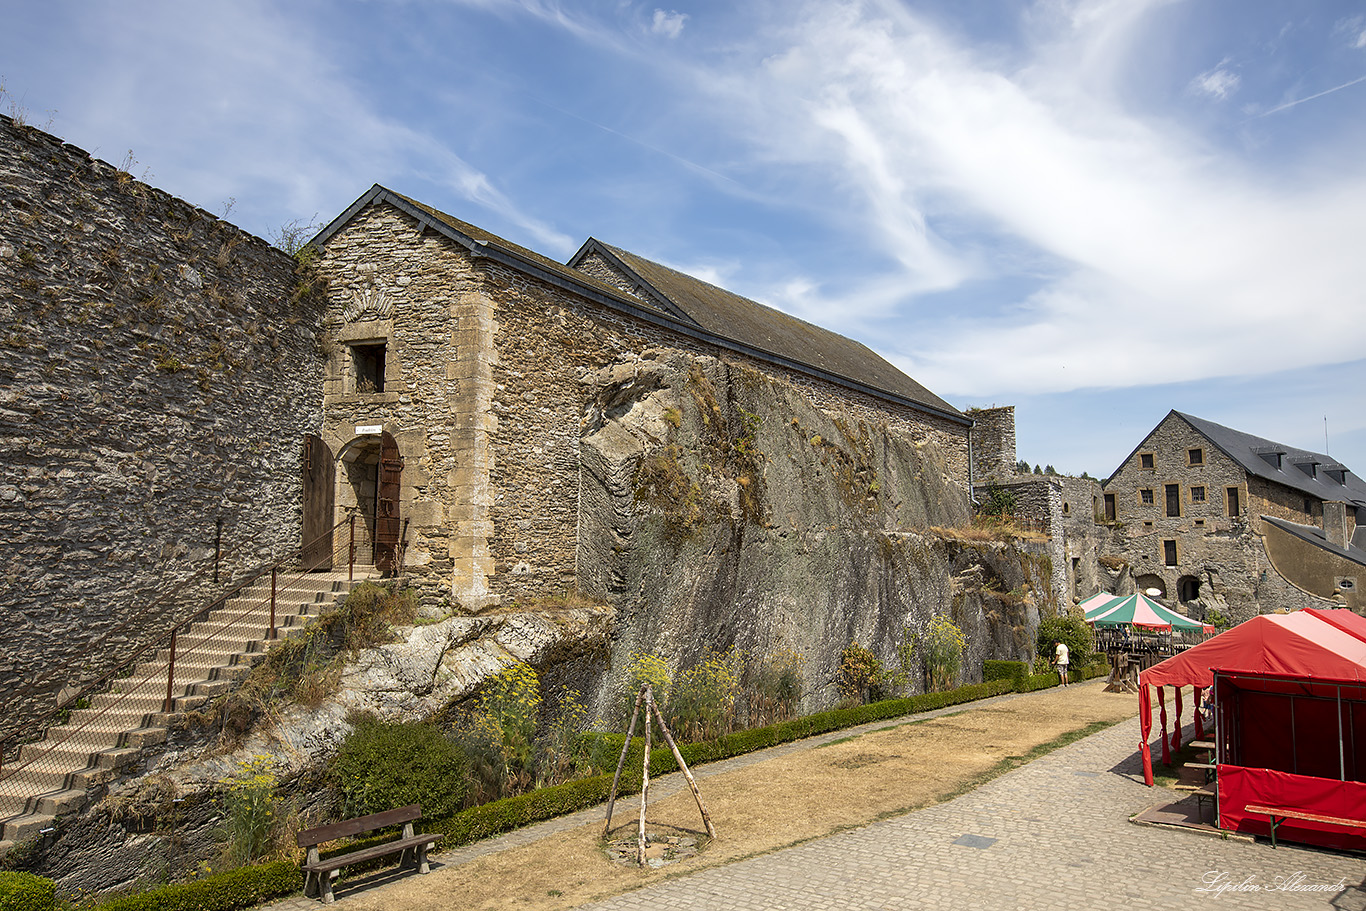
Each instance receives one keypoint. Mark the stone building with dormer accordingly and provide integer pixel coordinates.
(1218, 519)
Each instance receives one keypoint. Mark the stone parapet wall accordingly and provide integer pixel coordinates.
(993, 443)
(157, 376)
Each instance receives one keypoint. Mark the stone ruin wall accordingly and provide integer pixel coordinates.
(993, 443)
(156, 379)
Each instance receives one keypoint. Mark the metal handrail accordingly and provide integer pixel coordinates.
(103, 683)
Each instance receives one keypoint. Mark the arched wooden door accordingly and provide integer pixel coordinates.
(387, 526)
(319, 477)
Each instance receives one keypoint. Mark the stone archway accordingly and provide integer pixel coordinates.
(369, 469)
(1149, 581)
(1188, 589)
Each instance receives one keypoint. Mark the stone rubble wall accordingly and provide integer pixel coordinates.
(156, 379)
(993, 443)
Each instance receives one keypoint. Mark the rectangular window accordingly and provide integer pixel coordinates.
(367, 364)
(1109, 507)
(1231, 499)
(1199, 523)
(1145, 460)
(1173, 492)
(1145, 496)
(1169, 552)
(1196, 456)
(1198, 494)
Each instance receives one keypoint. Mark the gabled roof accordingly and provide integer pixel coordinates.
(1257, 456)
(684, 305)
(784, 337)
(1248, 450)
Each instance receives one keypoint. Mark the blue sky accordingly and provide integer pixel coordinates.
(1095, 211)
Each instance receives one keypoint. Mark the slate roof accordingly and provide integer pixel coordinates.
(771, 331)
(1248, 450)
(1315, 536)
(685, 305)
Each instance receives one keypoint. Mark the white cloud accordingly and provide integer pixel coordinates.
(1168, 262)
(264, 115)
(1217, 83)
(669, 24)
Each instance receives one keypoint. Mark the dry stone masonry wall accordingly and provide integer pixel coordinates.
(158, 371)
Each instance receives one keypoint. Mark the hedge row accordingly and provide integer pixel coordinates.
(26, 892)
(229, 891)
(249, 886)
(547, 803)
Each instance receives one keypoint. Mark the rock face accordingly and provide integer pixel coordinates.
(719, 509)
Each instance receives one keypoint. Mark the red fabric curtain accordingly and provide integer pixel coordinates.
(1162, 716)
(1199, 721)
(1240, 786)
(1145, 727)
(1176, 727)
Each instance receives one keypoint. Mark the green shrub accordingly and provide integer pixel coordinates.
(251, 818)
(241, 888)
(1071, 632)
(941, 647)
(26, 892)
(1004, 670)
(702, 705)
(382, 765)
(861, 675)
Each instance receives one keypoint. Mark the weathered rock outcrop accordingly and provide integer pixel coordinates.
(719, 508)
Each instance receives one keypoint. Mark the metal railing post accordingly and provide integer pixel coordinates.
(169, 705)
(217, 549)
(351, 560)
(270, 633)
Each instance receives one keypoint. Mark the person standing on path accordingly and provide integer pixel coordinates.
(1060, 659)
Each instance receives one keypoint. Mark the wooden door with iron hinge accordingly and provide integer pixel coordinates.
(386, 505)
(319, 487)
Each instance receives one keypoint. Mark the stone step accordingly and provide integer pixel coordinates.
(211, 657)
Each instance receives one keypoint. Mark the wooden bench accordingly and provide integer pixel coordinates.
(1279, 815)
(319, 872)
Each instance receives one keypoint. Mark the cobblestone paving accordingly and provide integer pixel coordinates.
(1054, 834)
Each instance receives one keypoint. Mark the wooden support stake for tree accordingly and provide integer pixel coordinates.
(645, 777)
(646, 698)
(678, 757)
(616, 779)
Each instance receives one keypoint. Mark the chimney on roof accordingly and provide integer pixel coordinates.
(1335, 522)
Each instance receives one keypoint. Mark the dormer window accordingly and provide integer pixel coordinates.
(1338, 474)
(1308, 466)
(1271, 457)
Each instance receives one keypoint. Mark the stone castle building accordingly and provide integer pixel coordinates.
(1215, 518)
(460, 385)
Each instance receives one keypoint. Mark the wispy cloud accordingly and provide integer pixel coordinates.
(264, 115)
(1166, 261)
(669, 24)
(1290, 104)
(1218, 83)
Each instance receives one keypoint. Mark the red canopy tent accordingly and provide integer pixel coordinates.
(1290, 693)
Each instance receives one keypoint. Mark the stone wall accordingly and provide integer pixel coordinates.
(993, 443)
(1219, 552)
(157, 375)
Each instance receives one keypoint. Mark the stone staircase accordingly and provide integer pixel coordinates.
(54, 775)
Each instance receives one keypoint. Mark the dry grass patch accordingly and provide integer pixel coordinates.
(778, 803)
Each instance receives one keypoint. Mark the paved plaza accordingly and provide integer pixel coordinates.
(1054, 834)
